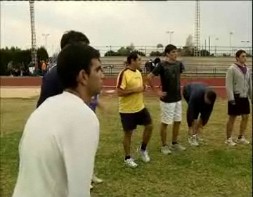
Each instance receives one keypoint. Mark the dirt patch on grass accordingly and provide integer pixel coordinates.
(19, 92)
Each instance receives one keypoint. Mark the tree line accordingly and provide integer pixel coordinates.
(17, 59)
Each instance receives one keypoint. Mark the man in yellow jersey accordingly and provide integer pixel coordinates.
(131, 107)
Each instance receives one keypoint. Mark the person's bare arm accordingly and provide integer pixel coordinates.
(150, 81)
(127, 92)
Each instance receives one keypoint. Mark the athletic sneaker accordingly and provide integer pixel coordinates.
(190, 139)
(242, 141)
(165, 150)
(177, 147)
(130, 163)
(199, 139)
(193, 140)
(230, 142)
(144, 156)
(95, 179)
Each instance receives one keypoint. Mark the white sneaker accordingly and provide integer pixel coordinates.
(230, 142)
(190, 139)
(193, 140)
(199, 139)
(144, 156)
(177, 147)
(130, 163)
(165, 150)
(95, 179)
(242, 141)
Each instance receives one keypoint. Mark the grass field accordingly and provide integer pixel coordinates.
(211, 170)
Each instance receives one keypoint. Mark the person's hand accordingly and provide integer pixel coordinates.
(145, 87)
(161, 94)
(139, 89)
(232, 102)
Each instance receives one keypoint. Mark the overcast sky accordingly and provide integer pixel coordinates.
(121, 23)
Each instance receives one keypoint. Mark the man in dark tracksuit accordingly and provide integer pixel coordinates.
(51, 84)
(200, 99)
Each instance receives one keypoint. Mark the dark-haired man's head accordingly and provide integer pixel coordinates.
(134, 60)
(79, 69)
(240, 56)
(210, 96)
(170, 52)
(73, 36)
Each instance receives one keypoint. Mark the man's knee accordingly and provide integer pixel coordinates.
(128, 134)
(149, 127)
(245, 117)
(231, 119)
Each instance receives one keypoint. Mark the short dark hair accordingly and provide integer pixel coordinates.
(132, 56)
(169, 48)
(211, 95)
(239, 52)
(73, 36)
(71, 60)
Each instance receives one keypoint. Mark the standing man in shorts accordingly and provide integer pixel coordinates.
(170, 96)
(132, 111)
(239, 89)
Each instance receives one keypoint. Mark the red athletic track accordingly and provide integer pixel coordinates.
(110, 82)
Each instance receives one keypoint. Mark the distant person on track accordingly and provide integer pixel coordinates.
(149, 65)
(200, 99)
(170, 97)
(132, 110)
(57, 154)
(43, 67)
(157, 61)
(239, 90)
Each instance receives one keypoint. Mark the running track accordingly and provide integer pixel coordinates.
(218, 84)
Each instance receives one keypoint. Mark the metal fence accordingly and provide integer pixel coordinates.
(216, 51)
(189, 72)
(194, 66)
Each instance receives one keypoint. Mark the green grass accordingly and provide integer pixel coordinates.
(212, 170)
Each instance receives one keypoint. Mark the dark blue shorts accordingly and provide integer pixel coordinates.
(131, 120)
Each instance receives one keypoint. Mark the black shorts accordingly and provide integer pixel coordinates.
(131, 120)
(241, 106)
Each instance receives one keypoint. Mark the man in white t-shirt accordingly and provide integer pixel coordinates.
(57, 154)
